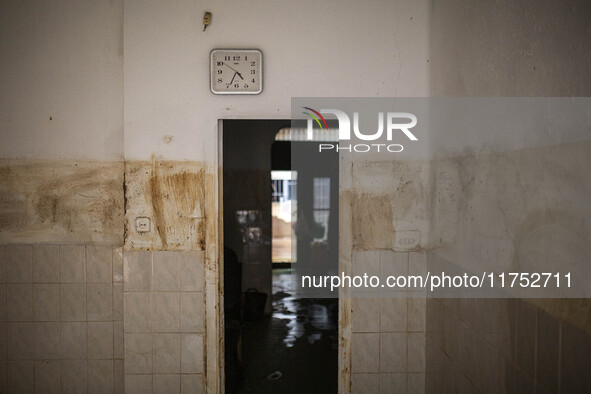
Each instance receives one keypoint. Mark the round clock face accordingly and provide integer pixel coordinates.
(236, 71)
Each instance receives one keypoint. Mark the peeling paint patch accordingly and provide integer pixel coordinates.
(61, 201)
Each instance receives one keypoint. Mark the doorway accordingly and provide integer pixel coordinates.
(276, 339)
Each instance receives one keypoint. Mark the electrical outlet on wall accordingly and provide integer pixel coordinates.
(142, 224)
(407, 240)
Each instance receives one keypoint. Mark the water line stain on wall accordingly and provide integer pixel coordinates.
(61, 201)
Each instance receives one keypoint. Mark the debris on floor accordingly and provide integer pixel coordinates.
(275, 375)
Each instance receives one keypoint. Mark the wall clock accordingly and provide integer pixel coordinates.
(236, 71)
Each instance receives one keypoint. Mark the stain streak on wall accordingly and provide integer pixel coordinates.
(176, 201)
(173, 195)
(61, 201)
(372, 222)
(490, 197)
(388, 196)
(517, 211)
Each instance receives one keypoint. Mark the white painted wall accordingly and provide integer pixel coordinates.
(64, 60)
(310, 48)
(61, 60)
(509, 48)
(531, 48)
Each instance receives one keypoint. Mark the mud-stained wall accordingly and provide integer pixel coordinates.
(512, 192)
(512, 208)
(382, 200)
(517, 211)
(372, 221)
(173, 196)
(52, 201)
(388, 198)
(61, 201)
(523, 210)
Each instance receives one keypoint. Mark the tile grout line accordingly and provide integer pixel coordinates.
(112, 250)
(559, 374)
(406, 366)
(5, 269)
(536, 338)
(380, 333)
(150, 328)
(59, 311)
(178, 279)
(33, 315)
(86, 306)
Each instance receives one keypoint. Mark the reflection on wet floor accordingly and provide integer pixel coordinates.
(299, 340)
(303, 318)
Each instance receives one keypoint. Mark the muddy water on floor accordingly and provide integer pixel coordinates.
(299, 339)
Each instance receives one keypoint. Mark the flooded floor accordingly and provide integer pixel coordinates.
(295, 349)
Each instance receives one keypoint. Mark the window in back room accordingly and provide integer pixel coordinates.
(284, 214)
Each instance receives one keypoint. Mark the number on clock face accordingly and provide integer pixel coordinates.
(236, 71)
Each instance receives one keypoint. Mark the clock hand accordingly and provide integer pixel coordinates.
(236, 72)
(231, 68)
